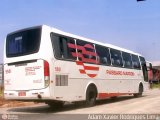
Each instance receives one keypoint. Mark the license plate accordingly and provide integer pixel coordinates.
(22, 93)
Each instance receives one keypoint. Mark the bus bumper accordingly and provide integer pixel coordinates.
(25, 95)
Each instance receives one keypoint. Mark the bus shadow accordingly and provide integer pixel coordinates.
(116, 99)
(43, 108)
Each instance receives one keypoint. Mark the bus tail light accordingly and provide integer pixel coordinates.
(46, 74)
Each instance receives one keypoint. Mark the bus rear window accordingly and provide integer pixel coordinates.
(23, 42)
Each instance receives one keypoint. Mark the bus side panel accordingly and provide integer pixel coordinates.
(70, 84)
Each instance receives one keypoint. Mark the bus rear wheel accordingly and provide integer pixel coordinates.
(91, 96)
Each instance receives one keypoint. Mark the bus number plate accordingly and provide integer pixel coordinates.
(22, 93)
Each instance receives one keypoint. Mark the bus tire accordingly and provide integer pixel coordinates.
(91, 96)
(139, 94)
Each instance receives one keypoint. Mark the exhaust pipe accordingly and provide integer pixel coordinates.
(39, 96)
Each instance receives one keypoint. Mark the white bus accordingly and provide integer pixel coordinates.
(48, 65)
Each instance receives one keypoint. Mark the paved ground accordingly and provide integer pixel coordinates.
(148, 104)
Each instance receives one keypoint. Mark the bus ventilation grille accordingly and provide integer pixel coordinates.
(61, 80)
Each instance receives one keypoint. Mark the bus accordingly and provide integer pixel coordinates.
(1, 78)
(48, 65)
(154, 76)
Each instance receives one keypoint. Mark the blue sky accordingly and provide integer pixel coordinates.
(125, 23)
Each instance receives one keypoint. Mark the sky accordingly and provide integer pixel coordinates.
(125, 23)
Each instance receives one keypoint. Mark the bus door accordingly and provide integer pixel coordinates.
(144, 69)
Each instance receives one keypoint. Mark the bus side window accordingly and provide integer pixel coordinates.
(56, 44)
(61, 49)
(135, 62)
(103, 55)
(71, 52)
(116, 58)
(86, 52)
(127, 60)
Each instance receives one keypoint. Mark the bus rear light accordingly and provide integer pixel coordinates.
(46, 74)
(46, 68)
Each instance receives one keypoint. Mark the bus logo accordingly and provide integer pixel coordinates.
(85, 54)
(87, 69)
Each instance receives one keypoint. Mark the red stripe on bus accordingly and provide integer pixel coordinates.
(70, 45)
(74, 54)
(82, 71)
(89, 60)
(107, 95)
(82, 48)
(92, 75)
(91, 68)
(84, 52)
(87, 67)
(83, 59)
(79, 63)
(89, 46)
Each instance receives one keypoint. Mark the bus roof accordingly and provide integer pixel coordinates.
(93, 41)
(55, 30)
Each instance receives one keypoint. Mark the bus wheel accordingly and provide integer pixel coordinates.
(55, 105)
(91, 95)
(139, 94)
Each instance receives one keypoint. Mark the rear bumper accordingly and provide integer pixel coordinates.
(30, 95)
